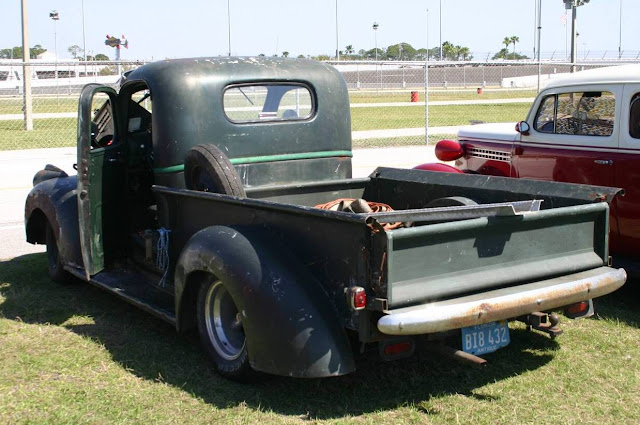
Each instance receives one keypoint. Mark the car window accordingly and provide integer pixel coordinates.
(634, 116)
(546, 117)
(251, 103)
(577, 113)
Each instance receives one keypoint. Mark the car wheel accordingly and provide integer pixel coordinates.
(221, 331)
(54, 264)
(207, 169)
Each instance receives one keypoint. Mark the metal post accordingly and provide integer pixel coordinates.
(574, 35)
(337, 51)
(229, 25)
(441, 30)
(426, 88)
(539, 41)
(84, 42)
(26, 70)
(375, 36)
(55, 17)
(620, 34)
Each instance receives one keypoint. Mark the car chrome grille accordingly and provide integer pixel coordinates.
(489, 154)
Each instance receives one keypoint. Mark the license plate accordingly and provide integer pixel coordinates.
(483, 339)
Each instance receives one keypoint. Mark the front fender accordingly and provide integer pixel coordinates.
(436, 166)
(290, 325)
(54, 200)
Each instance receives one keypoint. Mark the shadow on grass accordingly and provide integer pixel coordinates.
(624, 304)
(152, 350)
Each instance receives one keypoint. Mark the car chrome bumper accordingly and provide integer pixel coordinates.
(502, 304)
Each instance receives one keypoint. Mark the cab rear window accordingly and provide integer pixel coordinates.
(254, 103)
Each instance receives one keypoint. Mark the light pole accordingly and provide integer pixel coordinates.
(229, 24)
(573, 5)
(55, 17)
(375, 36)
(337, 51)
(26, 70)
(426, 87)
(84, 43)
(620, 34)
(440, 29)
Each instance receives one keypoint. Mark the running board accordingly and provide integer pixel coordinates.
(132, 288)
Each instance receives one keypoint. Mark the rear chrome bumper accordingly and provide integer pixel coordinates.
(502, 304)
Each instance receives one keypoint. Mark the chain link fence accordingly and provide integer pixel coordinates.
(392, 103)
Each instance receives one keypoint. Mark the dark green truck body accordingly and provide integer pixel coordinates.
(289, 267)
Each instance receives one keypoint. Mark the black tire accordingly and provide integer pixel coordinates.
(221, 332)
(54, 264)
(451, 201)
(207, 169)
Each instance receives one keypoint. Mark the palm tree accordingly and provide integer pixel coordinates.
(464, 51)
(514, 39)
(349, 49)
(506, 42)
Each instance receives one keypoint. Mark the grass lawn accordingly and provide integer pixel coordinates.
(442, 95)
(72, 354)
(47, 133)
(409, 117)
(13, 105)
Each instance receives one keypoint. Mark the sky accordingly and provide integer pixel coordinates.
(159, 29)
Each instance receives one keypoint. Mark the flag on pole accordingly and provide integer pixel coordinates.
(563, 19)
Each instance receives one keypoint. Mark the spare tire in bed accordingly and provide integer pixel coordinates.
(207, 169)
(451, 201)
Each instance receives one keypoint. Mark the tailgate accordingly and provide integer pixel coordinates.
(439, 261)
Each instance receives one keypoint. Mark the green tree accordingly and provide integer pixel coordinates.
(422, 54)
(349, 50)
(371, 54)
(448, 51)
(16, 52)
(465, 53)
(401, 51)
(285, 54)
(101, 57)
(506, 42)
(74, 50)
(514, 39)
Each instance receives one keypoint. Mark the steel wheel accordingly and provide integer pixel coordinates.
(223, 323)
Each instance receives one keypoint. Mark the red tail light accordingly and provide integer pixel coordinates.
(579, 310)
(392, 350)
(357, 297)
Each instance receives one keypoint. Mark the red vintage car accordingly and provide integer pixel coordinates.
(582, 128)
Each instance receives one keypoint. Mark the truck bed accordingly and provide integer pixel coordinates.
(465, 251)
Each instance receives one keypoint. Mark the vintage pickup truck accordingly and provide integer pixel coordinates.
(217, 194)
(583, 128)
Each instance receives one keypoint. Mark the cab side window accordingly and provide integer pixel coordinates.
(102, 126)
(577, 113)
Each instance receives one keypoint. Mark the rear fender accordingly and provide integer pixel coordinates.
(290, 325)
